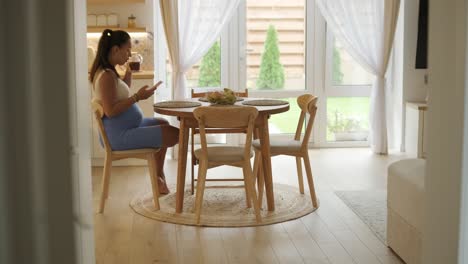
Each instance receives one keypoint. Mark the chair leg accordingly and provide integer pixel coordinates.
(299, 175)
(313, 196)
(248, 195)
(255, 168)
(192, 182)
(248, 178)
(154, 179)
(257, 172)
(202, 169)
(261, 181)
(105, 183)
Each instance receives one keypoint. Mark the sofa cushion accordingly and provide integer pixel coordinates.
(405, 185)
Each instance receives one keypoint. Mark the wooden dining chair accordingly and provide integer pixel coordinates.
(195, 131)
(148, 154)
(297, 147)
(226, 117)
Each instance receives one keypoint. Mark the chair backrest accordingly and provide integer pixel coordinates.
(308, 105)
(245, 93)
(226, 117)
(98, 112)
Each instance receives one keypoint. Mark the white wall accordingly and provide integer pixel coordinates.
(408, 82)
(413, 79)
(80, 122)
(410, 78)
(445, 134)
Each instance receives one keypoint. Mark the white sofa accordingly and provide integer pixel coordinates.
(405, 208)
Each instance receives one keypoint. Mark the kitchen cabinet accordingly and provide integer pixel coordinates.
(107, 2)
(147, 109)
(96, 29)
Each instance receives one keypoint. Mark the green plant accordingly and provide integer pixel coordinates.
(337, 73)
(271, 70)
(339, 124)
(210, 73)
(224, 97)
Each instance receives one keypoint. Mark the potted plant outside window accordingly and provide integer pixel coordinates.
(347, 128)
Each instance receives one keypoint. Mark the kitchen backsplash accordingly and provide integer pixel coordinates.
(141, 43)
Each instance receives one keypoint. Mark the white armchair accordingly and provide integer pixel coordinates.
(405, 203)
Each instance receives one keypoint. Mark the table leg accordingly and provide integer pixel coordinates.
(266, 161)
(181, 165)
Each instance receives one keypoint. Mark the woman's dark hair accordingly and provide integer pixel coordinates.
(109, 39)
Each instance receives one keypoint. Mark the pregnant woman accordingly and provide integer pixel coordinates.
(123, 120)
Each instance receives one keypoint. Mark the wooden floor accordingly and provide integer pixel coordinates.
(332, 234)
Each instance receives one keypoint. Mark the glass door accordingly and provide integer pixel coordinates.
(275, 38)
(281, 49)
(208, 74)
(347, 95)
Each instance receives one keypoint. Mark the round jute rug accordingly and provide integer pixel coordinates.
(225, 207)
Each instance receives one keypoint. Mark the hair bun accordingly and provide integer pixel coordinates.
(107, 32)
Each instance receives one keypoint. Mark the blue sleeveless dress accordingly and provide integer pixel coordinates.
(130, 130)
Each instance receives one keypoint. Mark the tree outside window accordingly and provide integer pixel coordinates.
(271, 70)
(210, 68)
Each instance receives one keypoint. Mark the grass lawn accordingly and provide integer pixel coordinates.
(348, 107)
(285, 122)
(355, 108)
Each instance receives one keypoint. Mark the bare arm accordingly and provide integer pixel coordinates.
(112, 107)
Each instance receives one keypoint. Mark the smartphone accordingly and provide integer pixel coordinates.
(149, 88)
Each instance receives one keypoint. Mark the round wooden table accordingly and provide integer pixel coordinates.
(187, 121)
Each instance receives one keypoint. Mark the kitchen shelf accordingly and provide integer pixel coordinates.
(100, 29)
(113, 2)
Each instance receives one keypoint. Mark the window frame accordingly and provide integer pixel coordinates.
(314, 30)
(331, 90)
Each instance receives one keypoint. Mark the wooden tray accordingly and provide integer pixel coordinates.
(204, 99)
(177, 104)
(265, 102)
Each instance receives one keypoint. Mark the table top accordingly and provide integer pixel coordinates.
(188, 111)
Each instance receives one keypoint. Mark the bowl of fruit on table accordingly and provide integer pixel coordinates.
(225, 97)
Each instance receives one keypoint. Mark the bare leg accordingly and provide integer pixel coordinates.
(160, 158)
(170, 138)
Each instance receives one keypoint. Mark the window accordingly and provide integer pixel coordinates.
(204, 74)
(282, 49)
(345, 70)
(207, 72)
(275, 45)
(347, 98)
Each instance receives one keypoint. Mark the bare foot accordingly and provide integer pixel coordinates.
(162, 186)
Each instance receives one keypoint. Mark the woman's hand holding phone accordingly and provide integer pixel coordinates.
(146, 92)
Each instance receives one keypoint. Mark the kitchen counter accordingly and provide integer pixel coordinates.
(139, 74)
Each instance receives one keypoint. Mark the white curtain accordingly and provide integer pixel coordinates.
(192, 27)
(366, 29)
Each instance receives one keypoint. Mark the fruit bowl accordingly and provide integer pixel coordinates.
(225, 97)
